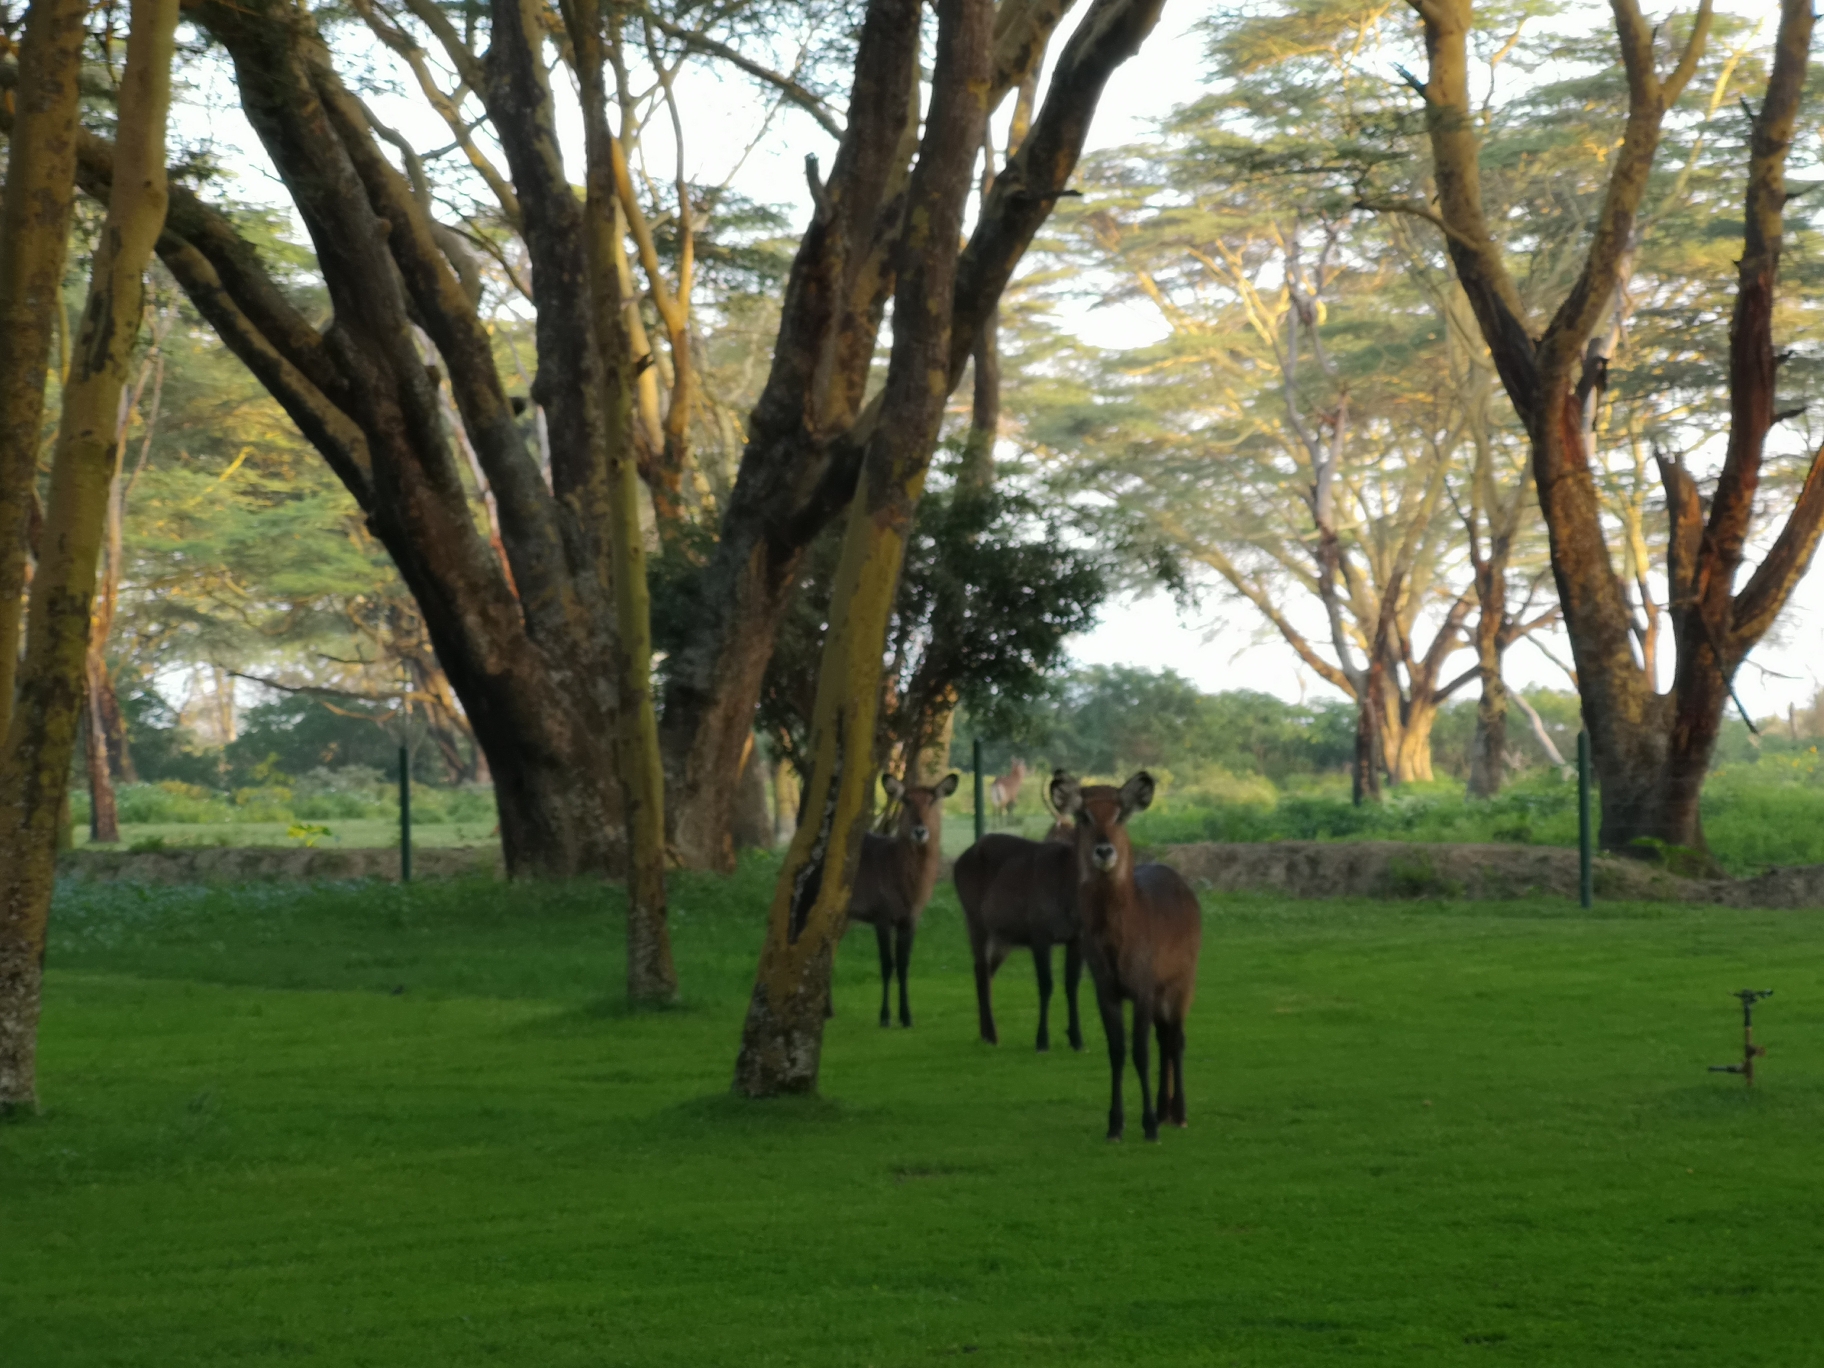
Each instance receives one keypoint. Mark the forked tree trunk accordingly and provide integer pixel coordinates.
(34, 235)
(782, 1043)
(1651, 751)
(809, 428)
(530, 658)
(35, 765)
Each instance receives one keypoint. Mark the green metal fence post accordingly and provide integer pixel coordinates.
(1586, 869)
(405, 815)
(981, 812)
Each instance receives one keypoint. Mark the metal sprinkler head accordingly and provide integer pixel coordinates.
(1750, 1051)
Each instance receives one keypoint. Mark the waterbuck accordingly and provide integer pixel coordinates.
(1142, 929)
(894, 880)
(1020, 892)
(1004, 791)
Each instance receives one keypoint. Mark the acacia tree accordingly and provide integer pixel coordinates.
(1651, 750)
(811, 425)
(1294, 430)
(40, 741)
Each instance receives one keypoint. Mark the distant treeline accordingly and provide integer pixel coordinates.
(1107, 719)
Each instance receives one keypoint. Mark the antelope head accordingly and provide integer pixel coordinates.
(919, 811)
(1100, 813)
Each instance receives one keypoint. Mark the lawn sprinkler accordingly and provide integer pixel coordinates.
(1750, 1051)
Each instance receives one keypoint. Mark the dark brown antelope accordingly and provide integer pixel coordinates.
(1142, 929)
(1019, 892)
(894, 880)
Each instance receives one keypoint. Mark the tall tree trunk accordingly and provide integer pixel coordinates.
(788, 487)
(34, 235)
(1488, 751)
(114, 728)
(651, 976)
(801, 461)
(782, 1042)
(1650, 751)
(1409, 759)
(530, 658)
(35, 766)
(104, 815)
(1625, 721)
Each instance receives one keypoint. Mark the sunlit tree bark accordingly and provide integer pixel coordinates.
(651, 976)
(34, 231)
(782, 1042)
(35, 765)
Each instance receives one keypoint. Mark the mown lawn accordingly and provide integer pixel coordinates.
(368, 1125)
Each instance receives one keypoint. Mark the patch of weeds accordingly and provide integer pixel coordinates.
(1414, 876)
(148, 845)
(1682, 861)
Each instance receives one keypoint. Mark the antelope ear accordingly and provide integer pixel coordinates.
(1136, 794)
(893, 787)
(1066, 797)
(948, 787)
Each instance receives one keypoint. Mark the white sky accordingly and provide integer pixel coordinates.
(1222, 646)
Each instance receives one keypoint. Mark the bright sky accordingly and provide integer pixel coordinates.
(1221, 646)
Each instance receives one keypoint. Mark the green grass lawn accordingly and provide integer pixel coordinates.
(358, 1125)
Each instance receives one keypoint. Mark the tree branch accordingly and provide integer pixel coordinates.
(698, 41)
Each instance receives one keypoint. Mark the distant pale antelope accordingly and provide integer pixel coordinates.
(1004, 792)
(894, 880)
(1142, 930)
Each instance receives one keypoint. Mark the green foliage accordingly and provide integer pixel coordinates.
(351, 1124)
(1756, 817)
(1109, 718)
(353, 792)
(990, 589)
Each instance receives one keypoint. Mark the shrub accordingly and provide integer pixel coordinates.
(173, 801)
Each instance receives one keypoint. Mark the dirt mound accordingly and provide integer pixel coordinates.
(259, 864)
(1800, 886)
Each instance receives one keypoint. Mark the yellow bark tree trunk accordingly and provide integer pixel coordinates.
(35, 765)
(651, 975)
(782, 1040)
(34, 234)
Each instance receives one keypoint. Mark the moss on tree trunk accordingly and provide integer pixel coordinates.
(35, 767)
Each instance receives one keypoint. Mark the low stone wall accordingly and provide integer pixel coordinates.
(258, 864)
(1382, 869)
(1294, 869)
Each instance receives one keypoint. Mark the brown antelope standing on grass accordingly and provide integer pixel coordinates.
(894, 880)
(1004, 791)
(1020, 892)
(1142, 929)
